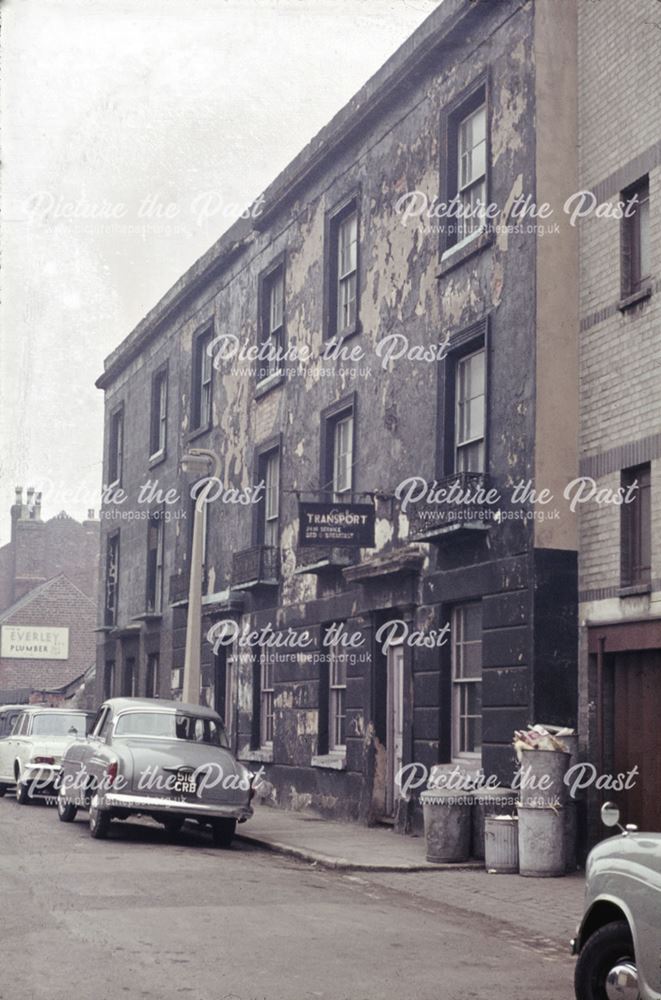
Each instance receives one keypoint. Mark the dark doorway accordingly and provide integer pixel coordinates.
(637, 735)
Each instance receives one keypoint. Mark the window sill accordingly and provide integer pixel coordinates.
(341, 338)
(148, 616)
(262, 755)
(632, 300)
(198, 432)
(156, 459)
(636, 590)
(457, 254)
(267, 384)
(330, 761)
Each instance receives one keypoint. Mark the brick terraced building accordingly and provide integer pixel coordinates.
(620, 425)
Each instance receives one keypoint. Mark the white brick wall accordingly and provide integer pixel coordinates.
(620, 356)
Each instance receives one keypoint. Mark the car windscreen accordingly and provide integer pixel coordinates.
(65, 724)
(172, 725)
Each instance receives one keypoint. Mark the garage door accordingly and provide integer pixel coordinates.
(637, 734)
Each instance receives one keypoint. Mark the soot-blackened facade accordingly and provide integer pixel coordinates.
(478, 103)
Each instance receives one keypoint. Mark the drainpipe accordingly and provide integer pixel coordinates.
(600, 703)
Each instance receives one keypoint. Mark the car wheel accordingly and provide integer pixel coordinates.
(222, 832)
(173, 824)
(22, 792)
(66, 810)
(609, 949)
(99, 821)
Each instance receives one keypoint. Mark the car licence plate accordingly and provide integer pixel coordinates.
(184, 784)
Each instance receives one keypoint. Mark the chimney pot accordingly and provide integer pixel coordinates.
(90, 514)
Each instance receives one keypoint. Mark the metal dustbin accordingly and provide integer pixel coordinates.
(501, 844)
(541, 842)
(542, 777)
(447, 817)
(487, 802)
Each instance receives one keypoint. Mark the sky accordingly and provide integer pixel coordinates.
(133, 134)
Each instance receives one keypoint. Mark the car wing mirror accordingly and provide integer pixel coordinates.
(610, 816)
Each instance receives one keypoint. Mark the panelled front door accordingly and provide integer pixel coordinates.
(394, 725)
(637, 735)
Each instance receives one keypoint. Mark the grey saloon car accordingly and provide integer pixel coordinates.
(619, 939)
(163, 759)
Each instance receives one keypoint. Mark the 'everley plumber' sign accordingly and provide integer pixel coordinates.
(34, 642)
(336, 524)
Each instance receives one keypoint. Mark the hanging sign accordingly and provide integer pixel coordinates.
(337, 524)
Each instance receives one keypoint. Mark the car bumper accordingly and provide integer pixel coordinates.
(43, 774)
(149, 804)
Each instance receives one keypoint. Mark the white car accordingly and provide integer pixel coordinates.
(619, 939)
(31, 756)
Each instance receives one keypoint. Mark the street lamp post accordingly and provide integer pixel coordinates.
(197, 460)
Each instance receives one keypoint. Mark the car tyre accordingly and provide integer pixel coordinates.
(99, 821)
(604, 949)
(66, 811)
(173, 825)
(22, 792)
(222, 832)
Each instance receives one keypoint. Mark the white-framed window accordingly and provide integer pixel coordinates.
(273, 322)
(159, 414)
(202, 381)
(337, 695)
(470, 411)
(271, 465)
(116, 447)
(347, 273)
(155, 534)
(266, 692)
(342, 456)
(467, 679)
(472, 169)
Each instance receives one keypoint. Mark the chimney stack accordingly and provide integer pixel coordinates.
(37, 507)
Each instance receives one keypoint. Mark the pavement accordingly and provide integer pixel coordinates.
(152, 916)
(346, 846)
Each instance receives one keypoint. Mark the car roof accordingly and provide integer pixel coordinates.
(32, 709)
(12, 708)
(160, 705)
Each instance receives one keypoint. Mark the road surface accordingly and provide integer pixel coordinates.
(145, 916)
